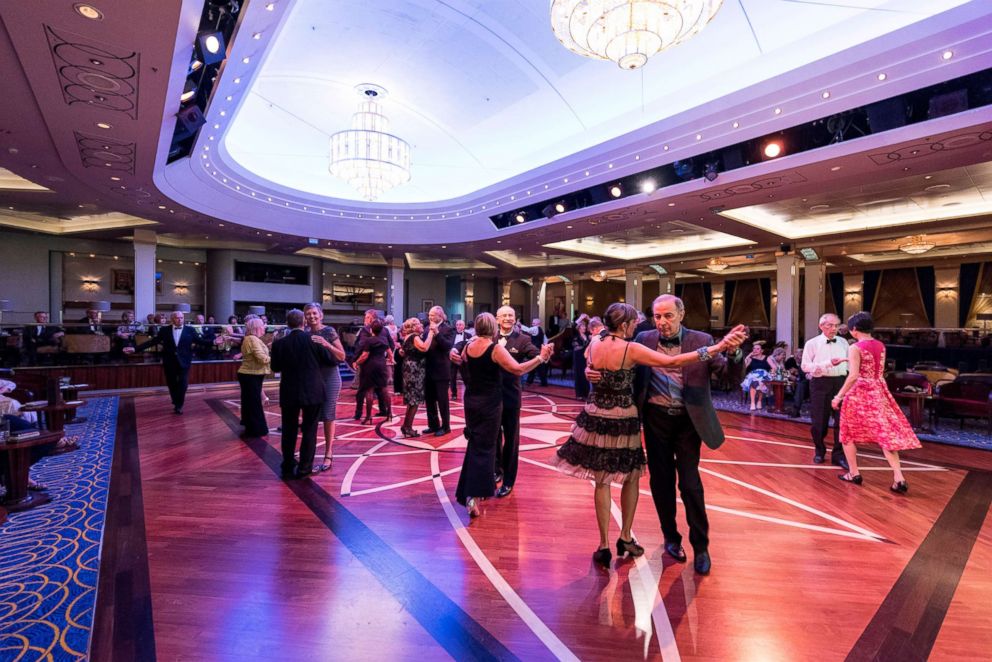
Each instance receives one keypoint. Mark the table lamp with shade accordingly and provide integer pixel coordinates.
(181, 308)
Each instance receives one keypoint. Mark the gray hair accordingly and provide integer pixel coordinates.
(679, 306)
(485, 325)
(825, 317)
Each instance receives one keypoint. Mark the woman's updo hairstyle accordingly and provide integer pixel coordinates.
(619, 314)
(861, 322)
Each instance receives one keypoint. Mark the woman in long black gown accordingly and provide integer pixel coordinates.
(373, 375)
(483, 360)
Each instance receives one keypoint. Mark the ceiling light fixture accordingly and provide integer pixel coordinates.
(773, 149)
(648, 186)
(628, 32)
(917, 245)
(616, 191)
(947, 55)
(716, 264)
(104, 125)
(88, 11)
(882, 77)
(366, 156)
(598, 276)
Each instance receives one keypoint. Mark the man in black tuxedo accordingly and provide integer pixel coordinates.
(437, 366)
(520, 347)
(176, 341)
(92, 325)
(40, 334)
(301, 390)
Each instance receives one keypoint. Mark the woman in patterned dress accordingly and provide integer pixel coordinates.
(313, 315)
(605, 444)
(870, 414)
(413, 349)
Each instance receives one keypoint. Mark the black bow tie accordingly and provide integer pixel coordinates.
(831, 340)
(674, 341)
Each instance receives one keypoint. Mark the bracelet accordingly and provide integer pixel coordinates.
(704, 354)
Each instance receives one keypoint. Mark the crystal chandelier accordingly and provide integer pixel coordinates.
(628, 31)
(716, 264)
(917, 245)
(366, 155)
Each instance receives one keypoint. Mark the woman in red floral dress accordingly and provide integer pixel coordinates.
(870, 413)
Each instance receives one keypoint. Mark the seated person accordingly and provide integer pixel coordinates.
(759, 371)
(41, 334)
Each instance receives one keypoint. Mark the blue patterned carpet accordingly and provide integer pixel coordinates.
(50, 555)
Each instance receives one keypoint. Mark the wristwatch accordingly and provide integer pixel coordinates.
(704, 354)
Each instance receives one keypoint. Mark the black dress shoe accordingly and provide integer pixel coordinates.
(848, 478)
(177, 410)
(818, 458)
(675, 550)
(498, 477)
(504, 491)
(702, 563)
(430, 430)
(442, 432)
(602, 557)
(302, 473)
(839, 461)
(899, 487)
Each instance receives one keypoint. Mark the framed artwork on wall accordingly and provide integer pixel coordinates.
(426, 305)
(122, 281)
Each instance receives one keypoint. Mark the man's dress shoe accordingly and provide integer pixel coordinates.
(442, 432)
(675, 550)
(504, 491)
(839, 461)
(818, 458)
(702, 563)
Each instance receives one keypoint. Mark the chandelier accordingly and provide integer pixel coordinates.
(366, 156)
(716, 264)
(628, 31)
(917, 245)
(598, 276)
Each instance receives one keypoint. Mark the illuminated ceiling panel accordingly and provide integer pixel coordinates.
(11, 182)
(956, 193)
(525, 259)
(656, 239)
(422, 261)
(68, 225)
(344, 256)
(939, 251)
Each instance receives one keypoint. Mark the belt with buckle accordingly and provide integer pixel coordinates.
(669, 411)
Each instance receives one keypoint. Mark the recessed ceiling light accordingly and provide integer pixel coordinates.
(737, 125)
(778, 111)
(245, 60)
(104, 125)
(699, 136)
(223, 113)
(835, 169)
(270, 6)
(257, 35)
(671, 204)
(161, 206)
(88, 11)
(115, 179)
(825, 95)
(882, 77)
(568, 227)
(947, 55)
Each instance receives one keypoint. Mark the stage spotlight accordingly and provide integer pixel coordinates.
(560, 207)
(549, 211)
(648, 186)
(772, 149)
(616, 191)
(195, 65)
(710, 171)
(189, 91)
(521, 217)
(684, 169)
(210, 47)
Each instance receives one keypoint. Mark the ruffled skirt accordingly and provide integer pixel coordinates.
(605, 445)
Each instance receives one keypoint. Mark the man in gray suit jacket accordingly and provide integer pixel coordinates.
(677, 411)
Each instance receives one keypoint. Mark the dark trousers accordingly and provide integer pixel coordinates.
(252, 412)
(364, 395)
(821, 392)
(579, 370)
(801, 389)
(541, 371)
(290, 428)
(436, 400)
(508, 445)
(177, 378)
(673, 449)
(455, 373)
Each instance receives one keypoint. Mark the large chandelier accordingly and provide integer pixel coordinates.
(628, 31)
(917, 245)
(366, 155)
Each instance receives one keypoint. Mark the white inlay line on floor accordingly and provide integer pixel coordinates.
(526, 614)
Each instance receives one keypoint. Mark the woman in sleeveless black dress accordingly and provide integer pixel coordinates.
(484, 360)
(373, 375)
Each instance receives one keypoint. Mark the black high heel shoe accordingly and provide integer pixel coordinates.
(851, 478)
(899, 487)
(602, 557)
(367, 420)
(628, 547)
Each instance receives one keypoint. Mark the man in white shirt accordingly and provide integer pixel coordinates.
(825, 363)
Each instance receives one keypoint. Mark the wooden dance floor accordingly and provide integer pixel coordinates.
(375, 561)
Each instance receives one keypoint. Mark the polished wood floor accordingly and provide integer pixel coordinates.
(374, 561)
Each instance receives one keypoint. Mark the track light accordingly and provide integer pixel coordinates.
(189, 91)
(648, 186)
(210, 47)
(710, 171)
(560, 207)
(616, 191)
(521, 217)
(772, 149)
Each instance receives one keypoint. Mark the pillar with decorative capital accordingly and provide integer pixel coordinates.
(666, 284)
(814, 295)
(537, 296)
(395, 290)
(504, 292)
(468, 297)
(569, 300)
(787, 305)
(144, 272)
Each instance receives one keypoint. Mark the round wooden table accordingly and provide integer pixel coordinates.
(16, 461)
(53, 417)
